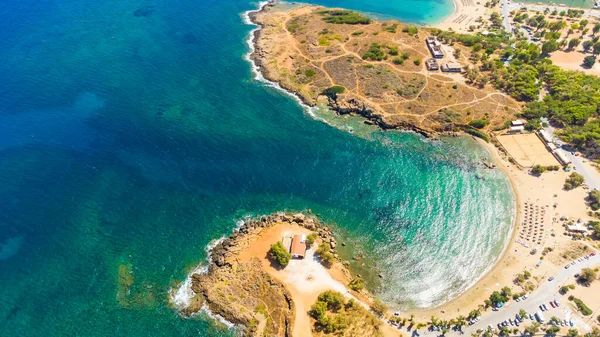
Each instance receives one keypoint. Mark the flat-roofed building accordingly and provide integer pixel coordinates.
(562, 157)
(432, 64)
(518, 122)
(452, 68)
(435, 47)
(517, 129)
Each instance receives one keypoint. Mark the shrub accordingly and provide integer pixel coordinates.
(323, 252)
(310, 239)
(584, 309)
(341, 16)
(379, 307)
(410, 30)
(479, 123)
(398, 60)
(589, 61)
(574, 180)
(537, 170)
(478, 134)
(417, 62)
(333, 299)
(357, 284)
(309, 73)
(375, 53)
(332, 92)
(280, 254)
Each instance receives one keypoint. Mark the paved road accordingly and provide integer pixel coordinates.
(547, 291)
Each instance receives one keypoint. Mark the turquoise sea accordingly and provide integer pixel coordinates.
(133, 133)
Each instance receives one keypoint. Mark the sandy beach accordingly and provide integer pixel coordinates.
(465, 14)
(546, 190)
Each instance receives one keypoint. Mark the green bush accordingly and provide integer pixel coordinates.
(357, 284)
(310, 239)
(398, 60)
(280, 254)
(417, 62)
(323, 252)
(478, 134)
(410, 30)
(341, 16)
(479, 123)
(375, 53)
(537, 170)
(573, 181)
(582, 307)
(379, 307)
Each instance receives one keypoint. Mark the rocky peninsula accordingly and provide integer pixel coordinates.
(246, 287)
(377, 70)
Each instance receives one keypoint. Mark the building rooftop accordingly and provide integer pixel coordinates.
(298, 246)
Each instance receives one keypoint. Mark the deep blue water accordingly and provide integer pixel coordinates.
(132, 141)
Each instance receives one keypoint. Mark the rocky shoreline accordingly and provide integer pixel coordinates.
(349, 107)
(241, 292)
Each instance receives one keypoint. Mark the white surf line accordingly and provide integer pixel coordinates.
(258, 76)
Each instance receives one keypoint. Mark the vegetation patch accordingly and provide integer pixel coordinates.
(342, 16)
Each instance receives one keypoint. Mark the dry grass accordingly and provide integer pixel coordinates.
(400, 93)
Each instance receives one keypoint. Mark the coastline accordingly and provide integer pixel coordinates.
(477, 292)
(465, 14)
(467, 295)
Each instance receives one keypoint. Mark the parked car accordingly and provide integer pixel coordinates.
(542, 307)
(593, 254)
(567, 266)
(531, 317)
(551, 279)
(552, 304)
(556, 303)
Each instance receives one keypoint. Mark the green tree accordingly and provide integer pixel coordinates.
(549, 47)
(532, 329)
(537, 170)
(552, 330)
(588, 275)
(573, 181)
(593, 199)
(573, 43)
(589, 61)
(280, 254)
(572, 333)
(587, 45)
(310, 239)
(324, 253)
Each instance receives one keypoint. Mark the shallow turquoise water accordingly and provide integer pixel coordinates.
(136, 140)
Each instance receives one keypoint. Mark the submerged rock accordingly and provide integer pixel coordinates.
(144, 11)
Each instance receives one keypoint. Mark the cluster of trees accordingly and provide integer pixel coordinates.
(588, 275)
(340, 16)
(334, 302)
(497, 297)
(279, 254)
(334, 315)
(573, 97)
(573, 181)
(593, 200)
(310, 239)
(538, 169)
